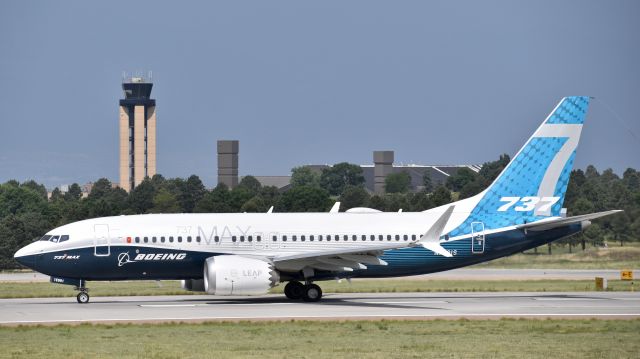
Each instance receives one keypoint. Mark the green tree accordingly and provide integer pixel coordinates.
(397, 182)
(427, 183)
(141, 196)
(353, 197)
(304, 176)
(255, 204)
(378, 202)
(36, 187)
(74, 193)
(251, 184)
(165, 202)
(461, 178)
(56, 195)
(216, 201)
(441, 196)
(335, 179)
(305, 199)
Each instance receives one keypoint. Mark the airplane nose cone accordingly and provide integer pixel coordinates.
(22, 256)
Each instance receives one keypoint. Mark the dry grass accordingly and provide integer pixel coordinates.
(300, 339)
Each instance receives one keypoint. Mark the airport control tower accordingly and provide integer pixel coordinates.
(137, 132)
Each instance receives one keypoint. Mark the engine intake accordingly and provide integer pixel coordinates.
(237, 275)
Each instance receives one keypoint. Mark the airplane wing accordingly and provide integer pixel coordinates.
(349, 259)
(546, 224)
(338, 260)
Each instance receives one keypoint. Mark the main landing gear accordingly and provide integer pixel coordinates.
(308, 292)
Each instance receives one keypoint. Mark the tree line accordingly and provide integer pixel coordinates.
(26, 212)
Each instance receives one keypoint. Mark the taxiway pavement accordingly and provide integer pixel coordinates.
(618, 305)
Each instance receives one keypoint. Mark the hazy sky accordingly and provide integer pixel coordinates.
(299, 82)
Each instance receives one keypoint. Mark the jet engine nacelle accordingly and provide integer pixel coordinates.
(237, 275)
(193, 285)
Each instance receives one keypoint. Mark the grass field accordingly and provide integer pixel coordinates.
(303, 339)
(613, 257)
(45, 289)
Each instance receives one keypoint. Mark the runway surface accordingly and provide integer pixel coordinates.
(617, 305)
(462, 273)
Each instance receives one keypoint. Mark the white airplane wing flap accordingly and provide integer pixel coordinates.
(339, 260)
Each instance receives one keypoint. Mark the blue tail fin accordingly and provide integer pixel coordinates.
(533, 184)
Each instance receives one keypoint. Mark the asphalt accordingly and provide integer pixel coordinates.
(462, 273)
(416, 306)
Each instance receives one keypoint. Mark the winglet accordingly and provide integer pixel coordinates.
(335, 208)
(270, 210)
(431, 239)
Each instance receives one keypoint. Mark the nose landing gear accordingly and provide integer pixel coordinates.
(83, 296)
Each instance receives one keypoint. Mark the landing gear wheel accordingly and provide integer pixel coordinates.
(312, 293)
(83, 297)
(294, 290)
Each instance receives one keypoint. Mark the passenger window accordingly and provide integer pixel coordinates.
(364, 237)
(388, 237)
(397, 237)
(64, 238)
(302, 238)
(189, 239)
(170, 239)
(311, 238)
(274, 238)
(153, 239)
(179, 239)
(373, 237)
(250, 238)
(336, 237)
(405, 237)
(216, 238)
(138, 240)
(320, 237)
(198, 239)
(284, 238)
(162, 239)
(259, 238)
(380, 237)
(233, 239)
(413, 237)
(45, 238)
(345, 237)
(354, 237)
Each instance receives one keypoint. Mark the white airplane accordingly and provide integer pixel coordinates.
(249, 253)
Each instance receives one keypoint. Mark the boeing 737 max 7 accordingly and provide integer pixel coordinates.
(249, 253)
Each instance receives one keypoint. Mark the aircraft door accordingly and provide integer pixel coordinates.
(477, 237)
(101, 240)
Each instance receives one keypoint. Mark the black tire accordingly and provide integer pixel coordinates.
(294, 290)
(312, 293)
(83, 297)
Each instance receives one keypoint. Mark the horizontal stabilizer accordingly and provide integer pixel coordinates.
(551, 223)
(431, 239)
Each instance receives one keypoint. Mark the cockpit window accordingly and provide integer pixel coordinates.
(45, 238)
(55, 239)
(63, 238)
